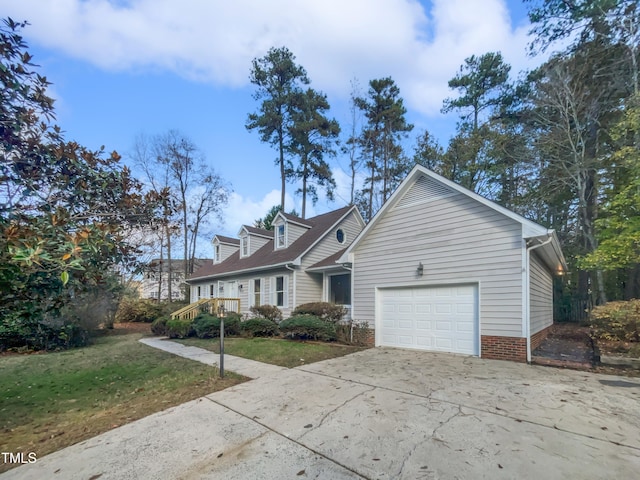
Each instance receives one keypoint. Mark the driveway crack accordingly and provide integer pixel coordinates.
(330, 412)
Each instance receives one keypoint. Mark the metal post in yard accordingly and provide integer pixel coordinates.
(221, 317)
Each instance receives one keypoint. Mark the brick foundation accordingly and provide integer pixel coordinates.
(503, 348)
(537, 338)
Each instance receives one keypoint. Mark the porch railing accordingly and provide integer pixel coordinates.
(209, 305)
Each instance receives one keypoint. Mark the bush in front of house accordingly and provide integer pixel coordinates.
(206, 325)
(354, 333)
(305, 327)
(137, 310)
(259, 327)
(323, 310)
(159, 325)
(270, 312)
(618, 321)
(177, 328)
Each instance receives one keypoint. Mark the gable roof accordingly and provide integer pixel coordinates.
(261, 232)
(227, 240)
(444, 187)
(266, 257)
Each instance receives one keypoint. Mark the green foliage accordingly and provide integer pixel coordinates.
(270, 312)
(267, 221)
(177, 328)
(259, 327)
(308, 327)
(159, 325)
(208, 326)
(63, 209)
(18, 332)
(380, 145)
(323, 310)
(278, 79)
(617, 321)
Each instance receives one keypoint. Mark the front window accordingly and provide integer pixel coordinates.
(281, 236)
(212, 291)
(279, 292)
(340, 289)
(257, 292)
(244, 245)
(199, 292)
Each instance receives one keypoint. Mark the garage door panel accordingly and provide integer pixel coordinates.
(430, 318)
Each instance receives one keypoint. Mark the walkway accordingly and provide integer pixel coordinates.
(241, 366)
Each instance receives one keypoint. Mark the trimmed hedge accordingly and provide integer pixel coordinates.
(323, 310)
(308, 327)
(208, 326)
(159, 325)
(270, 312)
(259, 327)
(177, 328)
(616, 321)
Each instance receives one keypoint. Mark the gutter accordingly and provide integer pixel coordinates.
(528, 293)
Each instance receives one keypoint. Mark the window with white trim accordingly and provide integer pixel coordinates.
(199, 292)
(212, 290)
(220, 289)
(216, 255)
(340, 289)
(280, 291)
(281, 237)
(244, 246)
(255, 292)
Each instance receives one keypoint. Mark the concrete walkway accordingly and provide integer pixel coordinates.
(241, 366)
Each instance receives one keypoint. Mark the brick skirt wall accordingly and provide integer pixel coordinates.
(537, 338)
(503, 348)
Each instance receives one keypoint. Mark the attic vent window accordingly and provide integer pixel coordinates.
(425, 189)
(340, 235)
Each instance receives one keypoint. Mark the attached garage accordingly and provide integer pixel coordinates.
(441, 268)
(435, 318)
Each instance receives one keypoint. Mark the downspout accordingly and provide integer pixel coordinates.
(288, 266)
(346, 267)
(528, 293)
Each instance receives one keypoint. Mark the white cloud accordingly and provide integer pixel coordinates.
(244, 210)
(215, 41)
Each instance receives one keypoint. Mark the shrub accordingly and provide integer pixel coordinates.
(308, 327)
(137, 310)
(177, 328)
(324, 310)
(159, 325)
(616, 321)
(259, 327)
(353, 333)
(19, 332)
(270, 312)
(208, 326)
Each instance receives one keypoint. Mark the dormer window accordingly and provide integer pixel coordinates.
(281, 236)
(244, 246)
(216, 253)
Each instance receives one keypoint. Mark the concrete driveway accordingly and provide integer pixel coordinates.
(379, 414)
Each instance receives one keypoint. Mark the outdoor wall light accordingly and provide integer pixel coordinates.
(420, 269)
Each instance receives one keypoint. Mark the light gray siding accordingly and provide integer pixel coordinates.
(540, 294)
(309, 285)
(458, 240)
(244, 288)
(227, 250)
(256, 242)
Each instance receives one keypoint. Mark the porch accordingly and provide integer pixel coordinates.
(209, 305)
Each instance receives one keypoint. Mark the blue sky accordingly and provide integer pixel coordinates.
(124, 67)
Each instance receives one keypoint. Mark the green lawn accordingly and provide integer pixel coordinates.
(276, 351)
(52, 400)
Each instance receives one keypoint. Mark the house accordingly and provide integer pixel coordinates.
(295, 263)
(441, 268)
(155, 278)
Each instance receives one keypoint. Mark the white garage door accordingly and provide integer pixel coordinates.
(430, 318)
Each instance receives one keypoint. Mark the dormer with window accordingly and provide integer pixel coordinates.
(252, 239)
(224, 247)
(287, 229)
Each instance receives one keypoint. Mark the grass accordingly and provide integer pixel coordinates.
(51, 400)
(276, 351)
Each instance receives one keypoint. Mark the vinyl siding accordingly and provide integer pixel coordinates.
(243, 293)
(540, 294)
(226, 251)
(309, 285)
(256, 243)
(458, 240)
